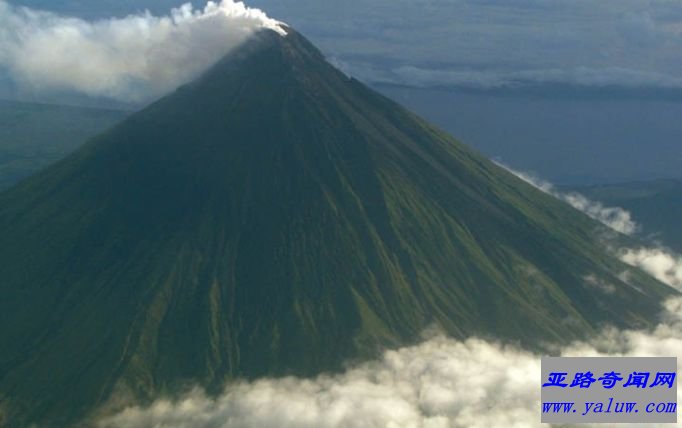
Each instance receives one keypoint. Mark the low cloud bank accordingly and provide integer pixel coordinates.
(476, 79)
(616, 218)
(439, 383)
(131, 59)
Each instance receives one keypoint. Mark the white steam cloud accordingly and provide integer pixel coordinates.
(439, 383)
(616, 218)
(130, 59)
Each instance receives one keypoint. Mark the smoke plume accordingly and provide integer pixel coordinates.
(131, 59)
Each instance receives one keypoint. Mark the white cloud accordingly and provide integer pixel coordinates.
(616, 218)
(438, 383)
(660, 263)
(130, 59)
(599, 283)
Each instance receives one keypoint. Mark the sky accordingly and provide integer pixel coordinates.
(472, 43)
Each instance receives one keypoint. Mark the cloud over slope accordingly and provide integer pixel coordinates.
(616, 218)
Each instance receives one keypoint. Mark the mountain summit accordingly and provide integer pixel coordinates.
(277, 217)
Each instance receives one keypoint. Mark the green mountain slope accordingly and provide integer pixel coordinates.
(276, 217)
(34, 135)
(656, 205)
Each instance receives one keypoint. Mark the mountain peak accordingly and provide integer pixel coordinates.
(289, 43)
(271, 56)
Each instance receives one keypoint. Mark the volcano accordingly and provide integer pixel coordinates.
(277, 217)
